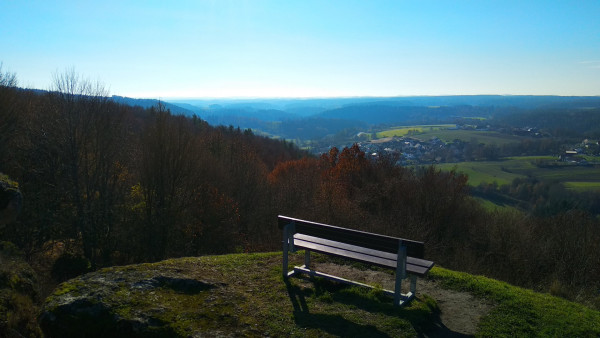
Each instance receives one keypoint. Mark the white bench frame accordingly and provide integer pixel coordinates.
(293, 240)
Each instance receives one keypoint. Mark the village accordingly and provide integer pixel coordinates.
(409, 150)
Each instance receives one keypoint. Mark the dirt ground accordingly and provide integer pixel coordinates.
(460, 312)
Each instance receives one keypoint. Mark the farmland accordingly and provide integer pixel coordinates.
(450, 133)
(474, 136)
(420, 129)
(574, 177)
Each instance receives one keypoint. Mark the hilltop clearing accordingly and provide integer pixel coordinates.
(243, 294)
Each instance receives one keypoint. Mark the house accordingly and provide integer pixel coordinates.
(568, 155)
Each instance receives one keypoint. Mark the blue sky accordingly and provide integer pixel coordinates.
(222, 48)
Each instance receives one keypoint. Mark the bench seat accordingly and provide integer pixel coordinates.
(414, 266)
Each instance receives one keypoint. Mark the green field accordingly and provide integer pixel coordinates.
(583, 186)
(505, 171)
(491, 206)
(405, 130)
(447, 133)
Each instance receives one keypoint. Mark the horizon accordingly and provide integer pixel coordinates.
(269, 49)
(233, 98)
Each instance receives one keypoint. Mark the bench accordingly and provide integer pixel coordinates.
(402, 255)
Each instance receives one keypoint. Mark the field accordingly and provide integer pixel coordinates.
(405, 130)
(448, 133)
(583, 186)
(504, 172)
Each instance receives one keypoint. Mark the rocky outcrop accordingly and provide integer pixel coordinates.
(10, 200)
(147, 300)
(18, 281)
(237, 295)
(18, 294)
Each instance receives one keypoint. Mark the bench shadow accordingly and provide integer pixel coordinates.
(438, 329)
(425, 323)
(332, 324)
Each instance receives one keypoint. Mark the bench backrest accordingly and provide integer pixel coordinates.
(355, 237)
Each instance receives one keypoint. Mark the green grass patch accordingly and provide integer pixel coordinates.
(583, 186)
(589, 158)
(491, 206)
(482, 172)
(520, 312)
(541, 167)
(418, 129)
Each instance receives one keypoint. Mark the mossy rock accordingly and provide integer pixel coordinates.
(11, 200)
(122, 302)
(18, 294)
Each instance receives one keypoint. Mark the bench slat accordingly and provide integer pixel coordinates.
(375, 257)
(345, 253)
(410, 260)
(346, 246)
(360, 238)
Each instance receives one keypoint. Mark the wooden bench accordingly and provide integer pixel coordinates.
(402, 255)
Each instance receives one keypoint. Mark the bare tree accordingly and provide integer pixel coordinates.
(8, 111)
(90, 133)
(7, 79)
(168, 165)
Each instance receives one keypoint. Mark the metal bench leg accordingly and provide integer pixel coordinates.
(413, 285)
(400, 274)
(398, 290)
(307, 258)
(285, 252)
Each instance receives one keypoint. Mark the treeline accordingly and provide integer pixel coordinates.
(540, 197)
(119, 184)
(460, 151)
(578, 123)
(112, 184)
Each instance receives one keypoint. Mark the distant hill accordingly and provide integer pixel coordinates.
(147, 103)
(378, 113)
(316, 118)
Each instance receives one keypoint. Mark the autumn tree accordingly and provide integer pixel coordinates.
(342, 175)
(295, 185)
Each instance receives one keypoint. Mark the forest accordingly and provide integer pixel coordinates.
(105, 184)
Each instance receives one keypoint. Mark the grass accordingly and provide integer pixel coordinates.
(320, 308)
(482, 172)
(492, 206)
(248, 297)
(583, 186)
(403, 131)
(520, 312)
(506, 170)
(589, 158)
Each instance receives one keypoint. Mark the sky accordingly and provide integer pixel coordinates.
(284, 48)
